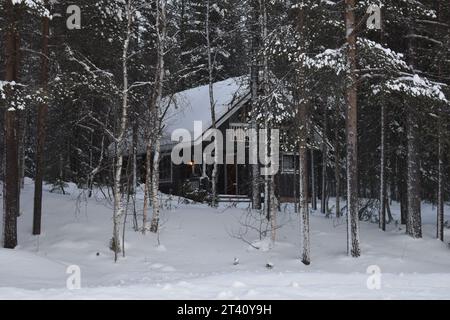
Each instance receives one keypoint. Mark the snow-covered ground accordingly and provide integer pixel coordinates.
(198, 247)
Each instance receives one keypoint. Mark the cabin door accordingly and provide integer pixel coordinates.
(232, 186)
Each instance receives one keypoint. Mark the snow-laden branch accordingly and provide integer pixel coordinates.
(37, 6)
(414, 86)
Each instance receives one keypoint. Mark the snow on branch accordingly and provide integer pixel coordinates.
(37, 6)
(372, 56)
(414, 86)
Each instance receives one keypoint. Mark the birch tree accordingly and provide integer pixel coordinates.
(303, 121)
(161, 34)
(129, 11)
(254, 87)
(212, 103)
(353, 246)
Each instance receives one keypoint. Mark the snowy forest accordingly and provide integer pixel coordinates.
(358, 91)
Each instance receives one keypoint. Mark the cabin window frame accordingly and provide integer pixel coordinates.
(291, 170)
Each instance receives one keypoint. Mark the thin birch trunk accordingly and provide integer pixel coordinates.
(148, 179)
(118, 196)
(273, 210)
(212, 104)
(353, 245)
(161, 30)
(155, 188)
(303, 120)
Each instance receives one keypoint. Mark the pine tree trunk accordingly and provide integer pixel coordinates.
(11, 177)
(353, 246)
(41, 128)
(303, 131)
(265, 87)
(254, 79)
(22, 133)
(134, 173)
(382, 213)
(11, 200)
(323, 199)
(413, 222)
(313, 182)
(440, 202)
(303, 179)
(337, 167)
(440, 197)
(401, 172)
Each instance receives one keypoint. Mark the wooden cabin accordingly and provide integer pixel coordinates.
(232, 99)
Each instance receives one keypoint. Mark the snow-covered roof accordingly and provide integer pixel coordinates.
(194, 105)
(189, 106)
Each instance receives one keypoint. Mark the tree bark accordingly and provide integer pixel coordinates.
(148, 179)
(118, 189)
(413, 219)
(353, 245)
(323, 198)
(265, 87)
(440, 202)
(41, 128)
(313, 182)
(254, 80)
(212, 103)
(11, 178)
(440, 196)
(303, 180)
(154, 227)
(382, 213)
(161, 30)
(337, 167)
(413, 222)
